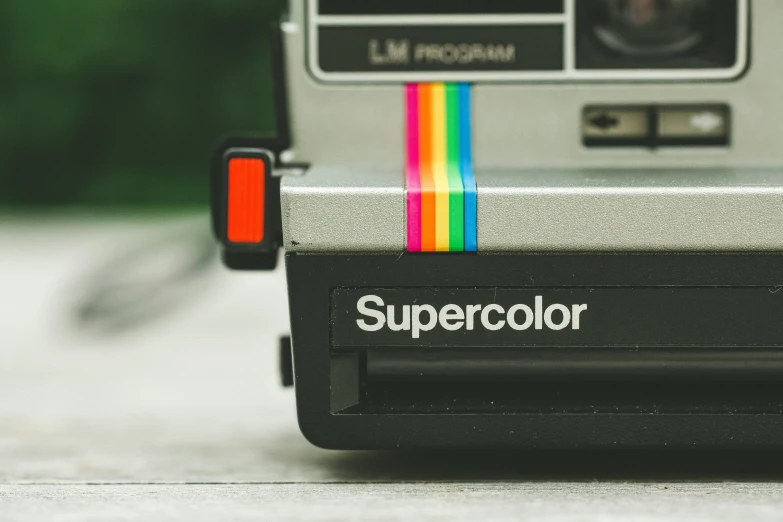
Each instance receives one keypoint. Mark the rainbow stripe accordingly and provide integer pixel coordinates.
(441, 189)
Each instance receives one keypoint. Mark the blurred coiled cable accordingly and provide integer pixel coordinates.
(146, 281)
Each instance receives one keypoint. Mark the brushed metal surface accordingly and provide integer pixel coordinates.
(636, 210)
(349, 209)
(352, 209)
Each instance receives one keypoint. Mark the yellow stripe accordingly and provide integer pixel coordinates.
(440, 168)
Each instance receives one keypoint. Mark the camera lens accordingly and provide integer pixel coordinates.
(650, 28)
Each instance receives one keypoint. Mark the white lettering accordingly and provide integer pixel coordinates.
(361, 306)
(398, 51)
(416, 324)
(419, 52)
(393, 52)
(557, 308)
(471, 311)
(509, 54)
(576, 310)
(405, 325)
(539, 311)
(451, 53)
(485, 317)
(512, 319)
(451, 313)
(376, 58)
(452, 317)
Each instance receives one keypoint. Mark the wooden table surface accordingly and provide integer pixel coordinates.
(136, 384)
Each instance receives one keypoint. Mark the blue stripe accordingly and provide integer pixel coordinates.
(466, 167)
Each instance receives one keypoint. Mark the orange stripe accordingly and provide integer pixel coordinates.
(440, 173)
(425, 160)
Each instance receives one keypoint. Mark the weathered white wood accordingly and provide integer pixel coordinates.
(399, 502)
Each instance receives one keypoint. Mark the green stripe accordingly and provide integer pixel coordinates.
(456, 191)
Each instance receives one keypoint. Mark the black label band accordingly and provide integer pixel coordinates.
(519, 317)
(440, 48)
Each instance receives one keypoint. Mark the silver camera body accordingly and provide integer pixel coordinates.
(709, 181)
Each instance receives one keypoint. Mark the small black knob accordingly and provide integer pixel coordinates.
(286, 362)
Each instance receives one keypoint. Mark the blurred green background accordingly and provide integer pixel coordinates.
(107, 103)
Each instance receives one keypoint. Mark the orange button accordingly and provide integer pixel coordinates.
(246, 185)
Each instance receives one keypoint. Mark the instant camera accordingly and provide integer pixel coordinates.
(523, 223)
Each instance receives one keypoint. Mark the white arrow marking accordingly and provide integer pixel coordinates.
(706, 122)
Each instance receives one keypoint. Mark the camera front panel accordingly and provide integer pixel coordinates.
(574, 84)
(544, 40)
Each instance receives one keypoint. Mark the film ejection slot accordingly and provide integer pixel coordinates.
(656, 126)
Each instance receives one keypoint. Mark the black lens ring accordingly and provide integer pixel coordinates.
(613, 33)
